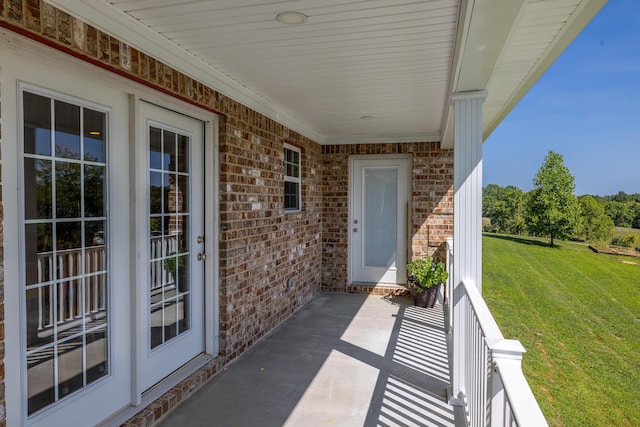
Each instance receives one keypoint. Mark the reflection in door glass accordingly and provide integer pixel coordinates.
(380, 211)
(65, 248)
(169, 186)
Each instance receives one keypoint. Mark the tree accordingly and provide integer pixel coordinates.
(596, 226)
(552, 207)
(620, 213)
(506, 210)
(489, 196)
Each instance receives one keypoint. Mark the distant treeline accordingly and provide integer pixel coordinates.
(622, 208)
(506, 207)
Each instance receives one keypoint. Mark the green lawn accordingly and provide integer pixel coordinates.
(578, 315)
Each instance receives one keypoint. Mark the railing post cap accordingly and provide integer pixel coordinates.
(507, 349)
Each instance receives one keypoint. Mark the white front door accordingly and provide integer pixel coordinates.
(170, 285)
(378, 229)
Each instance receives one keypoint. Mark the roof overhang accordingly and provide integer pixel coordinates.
(501, 46)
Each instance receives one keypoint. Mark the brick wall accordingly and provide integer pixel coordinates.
(431, 205)
(269, 260)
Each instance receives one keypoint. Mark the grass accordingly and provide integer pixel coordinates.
(578, 315)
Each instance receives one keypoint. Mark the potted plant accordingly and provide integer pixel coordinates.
(425, 280)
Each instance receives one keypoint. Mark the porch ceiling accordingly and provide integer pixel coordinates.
(397, 61)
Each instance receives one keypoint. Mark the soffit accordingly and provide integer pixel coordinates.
(397, 61)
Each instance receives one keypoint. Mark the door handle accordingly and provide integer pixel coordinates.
(201, 256)
(355, 230)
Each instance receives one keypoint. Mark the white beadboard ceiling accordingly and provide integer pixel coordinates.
(395, 60)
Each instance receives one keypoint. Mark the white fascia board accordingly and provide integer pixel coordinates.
(579, 19)
(464, 17)
(118, 24)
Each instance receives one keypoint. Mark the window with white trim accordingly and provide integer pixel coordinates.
(292, 178)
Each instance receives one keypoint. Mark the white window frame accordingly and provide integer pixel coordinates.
(294, 179)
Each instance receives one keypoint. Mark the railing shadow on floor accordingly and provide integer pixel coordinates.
(411, 388)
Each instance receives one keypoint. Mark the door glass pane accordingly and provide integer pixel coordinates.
(67, 131)
(37, 124)
(380, 217)
(65, 250)
(37, 187)
(94, 136)
(169, 261)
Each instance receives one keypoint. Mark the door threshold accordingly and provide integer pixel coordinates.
(378, 285)
(155, 392)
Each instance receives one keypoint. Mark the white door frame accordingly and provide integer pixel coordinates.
(39, 65)
(403, 253)
(139, 224)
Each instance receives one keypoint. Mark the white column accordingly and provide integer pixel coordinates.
(467, 219)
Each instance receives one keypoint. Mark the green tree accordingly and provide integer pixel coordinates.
(507, 210)
(620, 213)
(489, 196)
(552, 207)
(596, 226)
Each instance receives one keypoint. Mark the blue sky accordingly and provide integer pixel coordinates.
(585, 107)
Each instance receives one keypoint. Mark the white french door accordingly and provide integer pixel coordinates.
(170, 286)
(108, 292)
(378, 229)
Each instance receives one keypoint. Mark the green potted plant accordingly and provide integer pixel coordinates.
(425, 280)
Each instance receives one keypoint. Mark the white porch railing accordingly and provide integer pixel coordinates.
(67, 297)
(161, 246)
(492, 385)
(68, 293)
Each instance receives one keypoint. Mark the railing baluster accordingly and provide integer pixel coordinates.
(494, 388)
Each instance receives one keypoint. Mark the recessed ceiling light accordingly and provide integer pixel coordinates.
(292, 18)
(367, 117)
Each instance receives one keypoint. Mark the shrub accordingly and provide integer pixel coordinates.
(627, 241)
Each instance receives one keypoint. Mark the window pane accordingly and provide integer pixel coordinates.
(67, 136)
(155, 148)
(37, 188)
(183, 153)
(41, 309)
(97, 348)
(38, 239)
(181, 194)
(68, 190)
(94, 235)
(94, 135)
(70, 366)
(170, 151)
(40, 379)
(37, 124)
(155, 192)
(291, 195)
(94, 182)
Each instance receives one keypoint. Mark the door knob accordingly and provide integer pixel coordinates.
(200, 239)
(355, 230)
(201, 256)
(355, 221)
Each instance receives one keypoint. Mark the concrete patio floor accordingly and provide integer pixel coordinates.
(342, 360)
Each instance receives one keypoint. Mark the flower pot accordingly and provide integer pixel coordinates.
(426, 298)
